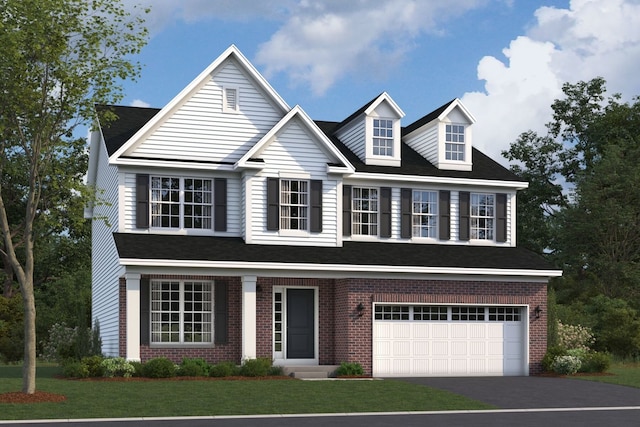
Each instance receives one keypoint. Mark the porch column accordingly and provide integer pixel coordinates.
(249, 317)
(133, 317)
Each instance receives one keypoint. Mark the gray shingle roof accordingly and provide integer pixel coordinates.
(233, 249)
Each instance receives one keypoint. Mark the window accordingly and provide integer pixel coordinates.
(482, 216)
(454, 142)
(443, 313)
(365, 211)
(382, 137)
(181, 203)
(425, 214)
(294, 204)
(430, 312)
(181, 312)
(230, 102)
(467, 313)
(392, 312)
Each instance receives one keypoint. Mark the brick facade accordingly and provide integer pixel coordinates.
(345, 334)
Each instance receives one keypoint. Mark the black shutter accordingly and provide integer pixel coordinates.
(273, 204)
(385, 212)
(465, 213)
(142, 201)
(221, 312)
(346, 210)
(406, 212)
(220, 204)
(444, 207)
(315, 213)
(501, 217)
(145, 304)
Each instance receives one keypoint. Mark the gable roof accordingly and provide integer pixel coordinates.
(439, 113)
(232, 51)
(128, 121)
(296, 111)
(361, 256)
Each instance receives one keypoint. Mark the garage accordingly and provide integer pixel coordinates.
(439, 340)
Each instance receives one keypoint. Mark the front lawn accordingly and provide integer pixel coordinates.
(623, 374)
(166, 398)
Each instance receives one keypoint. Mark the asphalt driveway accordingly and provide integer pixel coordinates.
(536, 392)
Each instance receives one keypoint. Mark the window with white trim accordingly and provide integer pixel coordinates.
(181, 203)
(382, 137)
(425, 214)
(454, 142)
(482, 216)
(181, 312)
(364, 208)
(294, 204)
(445, 313)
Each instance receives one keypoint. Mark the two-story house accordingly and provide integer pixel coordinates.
(234, 226)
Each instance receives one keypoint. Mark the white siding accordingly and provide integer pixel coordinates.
(104, 257)
(353, 136)
(425, 143)
(200, 130)
(234, 200)
(294, 153)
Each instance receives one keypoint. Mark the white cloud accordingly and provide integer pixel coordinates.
(324, 41)
(591, 38)
(140, 103)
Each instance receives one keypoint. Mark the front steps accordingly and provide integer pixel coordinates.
(310, 372)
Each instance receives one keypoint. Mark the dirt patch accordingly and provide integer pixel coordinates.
(37, 397)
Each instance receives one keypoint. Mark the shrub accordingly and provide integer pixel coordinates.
(550, 356)
(575, 337)
(193, 368)
(117, 367)
(137, 369)
(566, 365)
(160, 367)
(94, 365)
(70, 343)
(74, 369)
(224, 369)
(595, 362)
(349, 369)
(259, 367)
(276, 371)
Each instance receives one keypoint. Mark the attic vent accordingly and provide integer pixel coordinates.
(230, 101)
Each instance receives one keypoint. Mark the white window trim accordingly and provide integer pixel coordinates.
(307, 219)
(456, 143)
(436, 215)
(386, 139)
(353, 213)
(493, 218)
(181, 342)
(181, 201)
(225, 104)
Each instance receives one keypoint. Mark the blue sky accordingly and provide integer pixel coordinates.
(506, 59)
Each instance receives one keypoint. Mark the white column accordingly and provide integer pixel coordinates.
(133, 316)
(249, 317)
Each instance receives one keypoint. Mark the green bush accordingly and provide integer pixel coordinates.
(193, 368)
(349, 369)
(74, 369)
(71, 343)
(117, 367)
(224, 369)
(94, 365)
(595, 362)
(550, 356)
(160, 367)
(260, 367)
(566, 365)
(276, 371)
(137, 369)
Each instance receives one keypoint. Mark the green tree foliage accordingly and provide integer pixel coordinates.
(59, 58)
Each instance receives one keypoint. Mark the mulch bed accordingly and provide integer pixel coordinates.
(37, 397)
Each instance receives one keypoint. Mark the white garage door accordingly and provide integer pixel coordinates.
(422, 341)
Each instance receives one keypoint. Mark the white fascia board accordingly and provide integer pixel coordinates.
(184, 93)
(311, 126)
(172, 164)
(457, 104)
(384, 97)
(341, 270)
(515, 185)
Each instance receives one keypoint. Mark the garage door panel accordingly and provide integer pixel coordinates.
(458, 330)
(477, 348)
(401, 348)
(440, 348)
(477, 331)
(420, 348)
(439, 331)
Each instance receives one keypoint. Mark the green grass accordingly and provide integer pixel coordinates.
(623, 374)
(95, 399)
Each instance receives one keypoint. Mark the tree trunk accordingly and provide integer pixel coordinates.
(29, 366)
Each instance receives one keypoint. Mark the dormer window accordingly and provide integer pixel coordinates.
(454, 142)
(382, 137)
